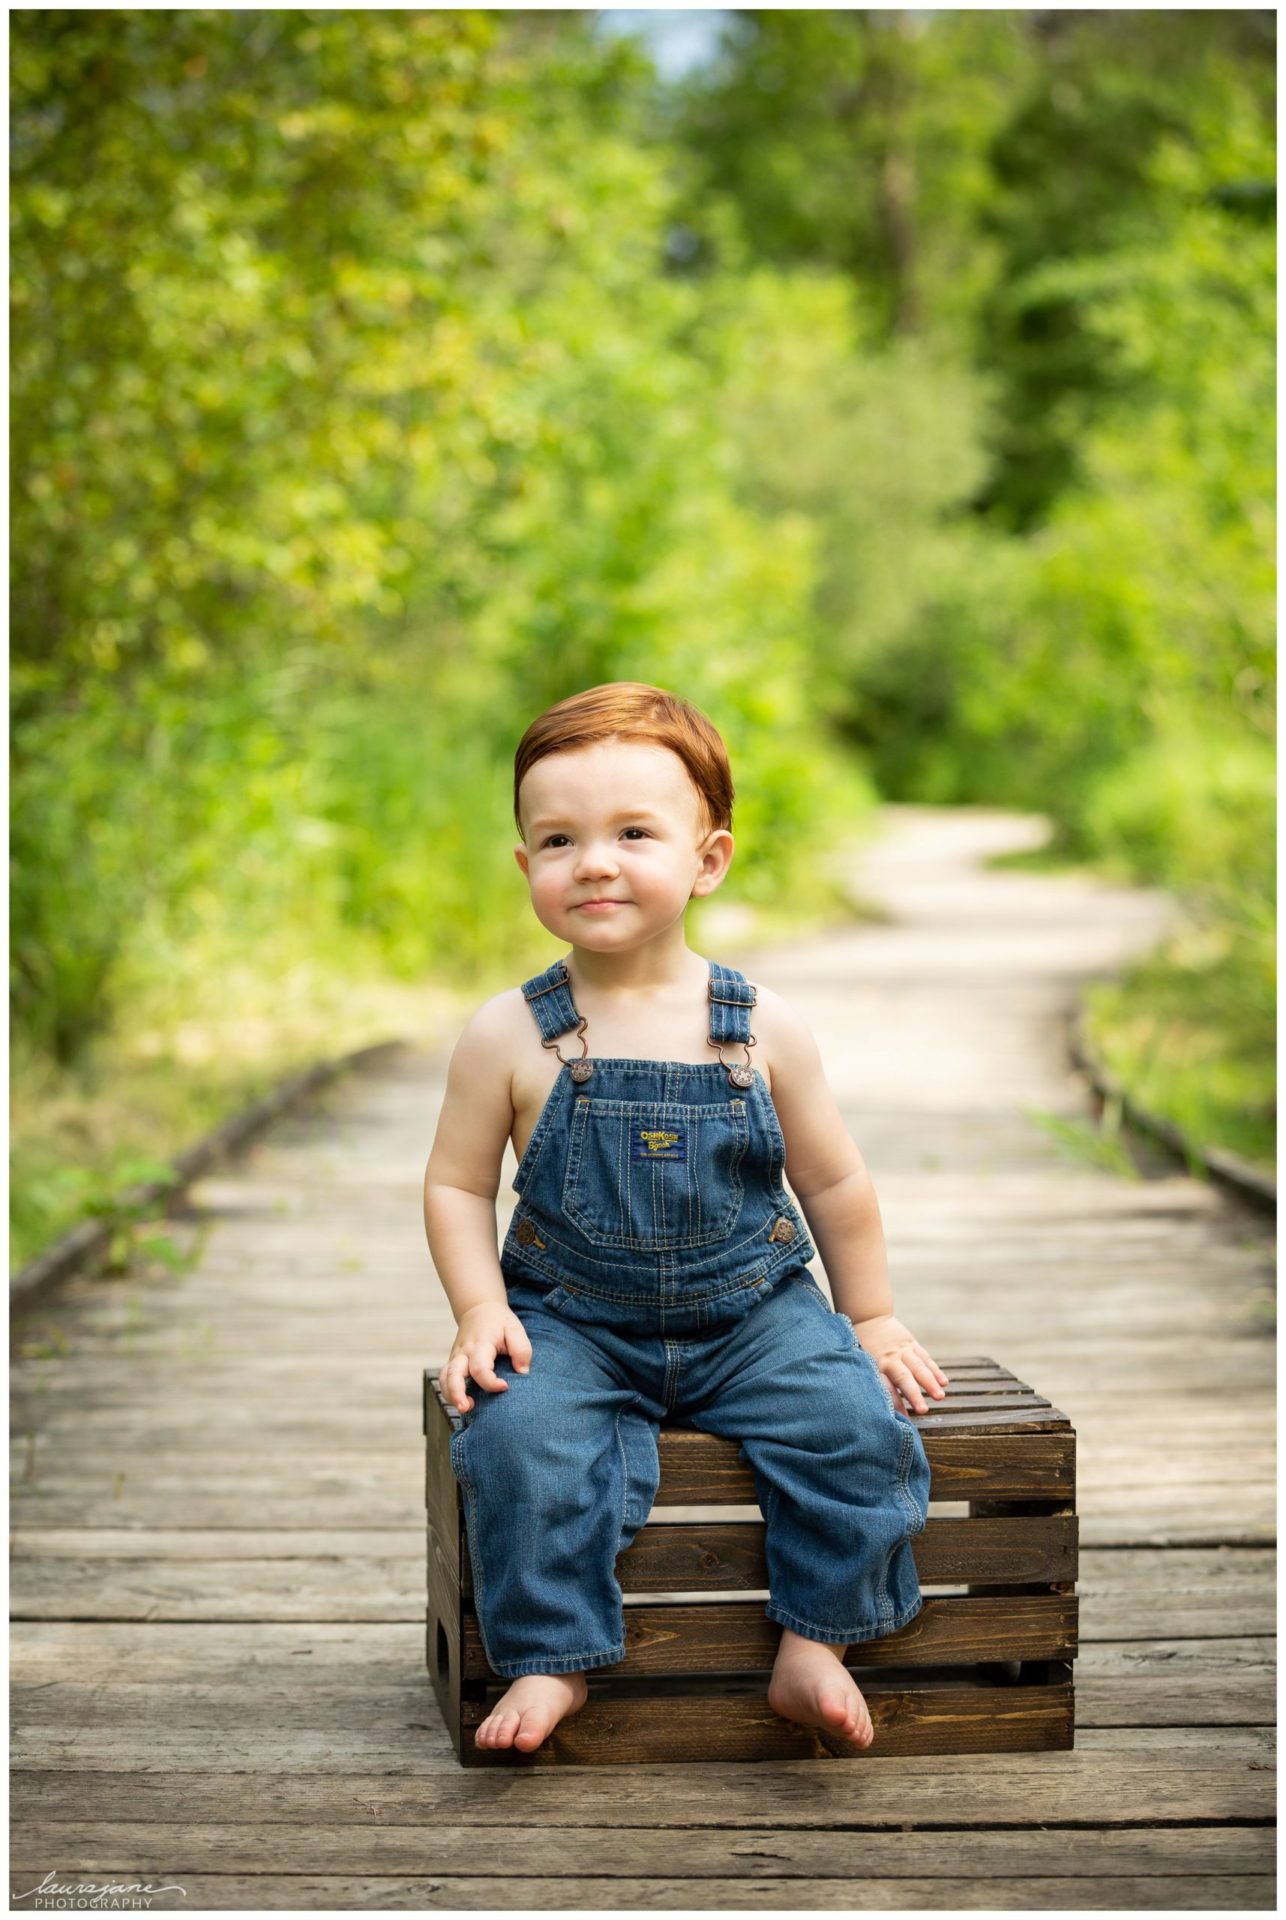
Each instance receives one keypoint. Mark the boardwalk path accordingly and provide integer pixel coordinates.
(218, 1666)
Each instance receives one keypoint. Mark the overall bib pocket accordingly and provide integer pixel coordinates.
(655, 1175)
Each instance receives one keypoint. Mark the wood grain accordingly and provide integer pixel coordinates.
(219, 1487)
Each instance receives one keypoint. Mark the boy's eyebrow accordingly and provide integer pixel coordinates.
(622, 813)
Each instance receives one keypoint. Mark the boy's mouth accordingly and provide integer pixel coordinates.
(597, 906)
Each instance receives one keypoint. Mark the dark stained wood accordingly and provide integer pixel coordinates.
(1026, 1453)
(1006, 1646)
(737, 1637)
(908, 1718)
(705, 1556)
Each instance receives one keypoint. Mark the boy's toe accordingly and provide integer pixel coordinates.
(534, 1727)
(836, 1705)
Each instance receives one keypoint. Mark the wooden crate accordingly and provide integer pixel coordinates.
(983, 1669)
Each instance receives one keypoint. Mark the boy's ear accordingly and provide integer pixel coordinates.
(715, 862)
(521, 856)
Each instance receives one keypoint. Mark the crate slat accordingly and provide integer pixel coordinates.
(941, 1716)
(987, 1670)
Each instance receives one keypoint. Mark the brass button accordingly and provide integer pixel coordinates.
(526, 1232)
(783, 1229)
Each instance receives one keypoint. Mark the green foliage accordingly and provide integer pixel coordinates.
(378, 379)
(856, 139)
(1075, 188)
(1100, 381)
(1086, 1144)
(1184, 1031)
(355, 421)
(873, 449)
(1142, 681)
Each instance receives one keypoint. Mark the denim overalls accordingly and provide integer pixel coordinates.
(658, 1267)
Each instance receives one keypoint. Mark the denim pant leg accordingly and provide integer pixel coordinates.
(843, 1479)
(557, 1474)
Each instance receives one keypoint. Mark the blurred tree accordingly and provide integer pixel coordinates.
(856, 138)
(355, 418)
(1071, 177)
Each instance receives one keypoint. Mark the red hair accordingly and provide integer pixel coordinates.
(629, 710)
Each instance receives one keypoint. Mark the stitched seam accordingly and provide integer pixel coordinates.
(663, 1241)
(585, 1653)
(813, 1630)
(475, 1563)
(753, 1245)
(625, 1478)
(540, 1134)
(902, 1482)
(549, 1662)
(671, 1372)
(769, 1260)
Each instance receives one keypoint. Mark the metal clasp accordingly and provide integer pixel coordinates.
(581, 1069)
(737, 1076)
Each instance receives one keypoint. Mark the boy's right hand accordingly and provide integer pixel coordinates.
(483, 1332)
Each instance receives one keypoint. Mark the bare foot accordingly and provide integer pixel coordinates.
(810, 1684)
(531, 1709)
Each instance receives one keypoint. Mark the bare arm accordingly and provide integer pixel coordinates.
(835, 1191)
(462, 1177)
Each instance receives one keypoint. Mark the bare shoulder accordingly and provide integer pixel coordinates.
(497, 1020)
(782, 1033)
(477, 1107)
(819, 1149)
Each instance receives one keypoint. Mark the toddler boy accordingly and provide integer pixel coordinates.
(656, 1265)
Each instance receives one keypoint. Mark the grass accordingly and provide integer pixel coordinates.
(213, 1035)
(1188, 1029)
(210, 1039)
(167, 1077)
(1086, 1143)
(1176, 1035)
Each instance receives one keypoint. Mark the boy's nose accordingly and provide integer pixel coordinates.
(592, 861)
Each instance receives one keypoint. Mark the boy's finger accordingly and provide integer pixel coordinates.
(911, 1393)
(928, 1378)
(519, 1350)
(486, 1376)
(929, 1360)
(451, 1381)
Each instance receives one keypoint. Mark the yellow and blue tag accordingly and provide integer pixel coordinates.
(660, 1143)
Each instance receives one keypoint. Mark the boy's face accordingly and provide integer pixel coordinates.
(619, 821)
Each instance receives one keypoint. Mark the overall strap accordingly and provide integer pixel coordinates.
(549, 995)
(731, 998)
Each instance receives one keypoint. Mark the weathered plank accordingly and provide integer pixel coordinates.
(1179, 1593)
(298, 1893)
(1115, 1777)
(242, 1439)
(370, 1838)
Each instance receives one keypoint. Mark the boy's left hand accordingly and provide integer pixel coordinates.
(906, 1366)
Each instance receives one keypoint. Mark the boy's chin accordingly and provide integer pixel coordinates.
(586, 931)
(601, 929)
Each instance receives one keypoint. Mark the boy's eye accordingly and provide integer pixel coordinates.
(550, 838)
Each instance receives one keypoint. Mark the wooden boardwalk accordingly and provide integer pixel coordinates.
(218, 1661)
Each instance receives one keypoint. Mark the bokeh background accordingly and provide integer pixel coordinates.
(898, 385)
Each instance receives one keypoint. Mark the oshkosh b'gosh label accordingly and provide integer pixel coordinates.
(659, 1143)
